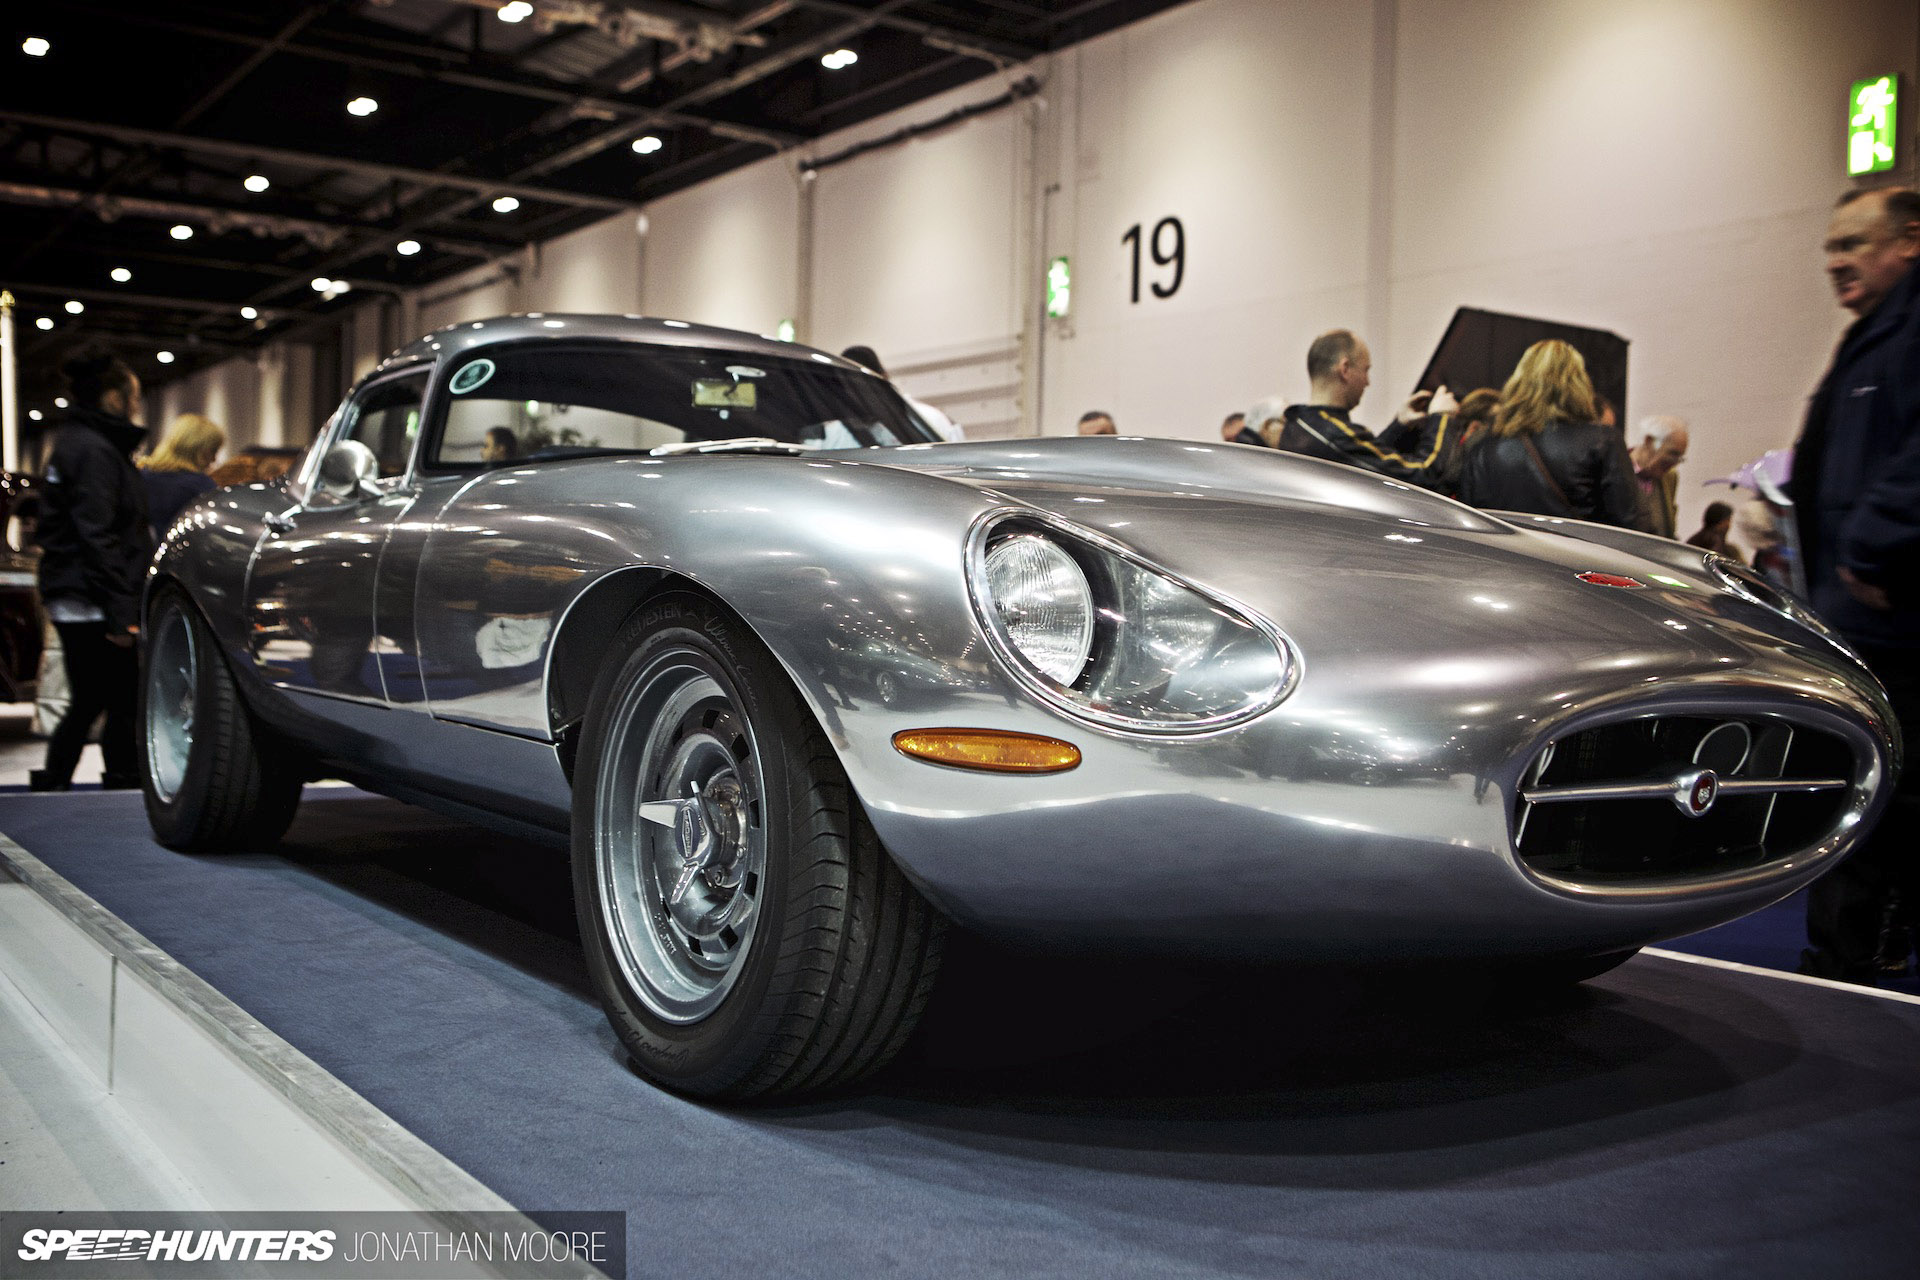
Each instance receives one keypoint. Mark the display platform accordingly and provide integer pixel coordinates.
(1668, 1119)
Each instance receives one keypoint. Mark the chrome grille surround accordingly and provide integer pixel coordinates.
(1690, 801)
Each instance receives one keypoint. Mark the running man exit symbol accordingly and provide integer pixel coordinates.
(1873, 116)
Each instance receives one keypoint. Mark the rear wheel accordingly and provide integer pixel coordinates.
(746, 932)
(208, 783)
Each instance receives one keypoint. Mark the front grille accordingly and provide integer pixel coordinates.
(1616, 804)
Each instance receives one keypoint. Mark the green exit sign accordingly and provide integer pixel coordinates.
(1873, 118)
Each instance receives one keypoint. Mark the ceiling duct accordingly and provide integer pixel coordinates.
(688, 30)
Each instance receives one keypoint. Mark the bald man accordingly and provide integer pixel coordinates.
(1662, 448)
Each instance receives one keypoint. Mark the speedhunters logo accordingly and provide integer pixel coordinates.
(313, 1246)
(115, 1244)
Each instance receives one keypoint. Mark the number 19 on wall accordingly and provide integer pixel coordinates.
(1168, 245)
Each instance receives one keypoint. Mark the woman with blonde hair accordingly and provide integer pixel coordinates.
(1546, 453)
(175, 473)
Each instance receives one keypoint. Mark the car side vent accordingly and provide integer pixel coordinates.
(1673, 797)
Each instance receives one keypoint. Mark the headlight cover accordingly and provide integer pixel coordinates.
(1750, 585)
(1159, 655)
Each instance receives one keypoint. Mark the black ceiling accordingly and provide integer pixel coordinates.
(141, 117)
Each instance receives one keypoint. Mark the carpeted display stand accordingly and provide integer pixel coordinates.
(1054, 1119)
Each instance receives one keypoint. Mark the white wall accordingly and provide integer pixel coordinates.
(1661, 168)
(726, 252)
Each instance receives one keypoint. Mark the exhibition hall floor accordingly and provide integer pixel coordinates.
(1671, 1118)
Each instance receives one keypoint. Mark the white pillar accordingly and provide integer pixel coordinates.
(9, 389)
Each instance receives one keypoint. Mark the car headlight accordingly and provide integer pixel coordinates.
(1095, 630)
(1751, 585)
(1043, 604)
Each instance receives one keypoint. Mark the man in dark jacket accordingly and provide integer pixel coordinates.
(1856, 493)
(1341, 368)
(95, 545)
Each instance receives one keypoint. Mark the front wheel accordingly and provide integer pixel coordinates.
(209, 784)
(747, 934)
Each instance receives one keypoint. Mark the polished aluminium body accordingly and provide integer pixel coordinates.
(1435, 656)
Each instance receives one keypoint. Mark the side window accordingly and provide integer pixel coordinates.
(387, 419)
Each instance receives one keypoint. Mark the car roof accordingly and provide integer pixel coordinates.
(474, 335)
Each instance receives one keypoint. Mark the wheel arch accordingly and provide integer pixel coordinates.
(589, 625)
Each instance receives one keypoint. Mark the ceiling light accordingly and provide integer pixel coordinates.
(181, 231)
(34, 47)
(59, 402)
(164, 357)
(34, 414)
(75, 306)
(515, 11)
(407, 248)
(505, 204)
(321, 284)
(121, 275)
(362, 107)
(248, 313)
(256, 182)
(44, 322)
(647, 146)
(839, 59)
(337, 288)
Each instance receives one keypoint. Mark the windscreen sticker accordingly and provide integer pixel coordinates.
(720, 393)
(471, 376)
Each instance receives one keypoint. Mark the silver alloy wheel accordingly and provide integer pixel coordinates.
(173, 686)
(680, 849)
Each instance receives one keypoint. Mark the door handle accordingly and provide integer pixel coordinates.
(277, 522)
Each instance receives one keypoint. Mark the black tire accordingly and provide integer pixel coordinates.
(835, 970)
(215, 788)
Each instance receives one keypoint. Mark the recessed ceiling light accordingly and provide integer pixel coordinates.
(248, 313)
(321, 284)
(164, 357)
(35, 414)
(647, 146)
(256, 182)
(59, 402)
(515, 11)
(181, 231)
(34, 47)
(505, 204)
(121, 275)
(337, 288)
(362, 107)
(44, 322)
(407, 248)
(75, 306)
(839, 59)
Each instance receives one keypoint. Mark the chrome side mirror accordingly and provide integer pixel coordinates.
(348, 471)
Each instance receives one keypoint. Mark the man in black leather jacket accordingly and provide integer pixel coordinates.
(1856, 492)
(95, 544)
(1341, 369)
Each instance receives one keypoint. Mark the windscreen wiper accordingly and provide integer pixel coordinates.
(741, 444)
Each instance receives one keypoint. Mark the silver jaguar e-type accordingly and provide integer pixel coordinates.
(800, 685)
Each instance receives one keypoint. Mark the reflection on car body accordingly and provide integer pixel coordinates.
(1147, 694)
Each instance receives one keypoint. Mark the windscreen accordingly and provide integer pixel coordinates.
(520, 404)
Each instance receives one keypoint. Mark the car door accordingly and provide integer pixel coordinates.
(311, 591)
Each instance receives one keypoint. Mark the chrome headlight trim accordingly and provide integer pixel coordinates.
(1059, 698)
(1754, 589)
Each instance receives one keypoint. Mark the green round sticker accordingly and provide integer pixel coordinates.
(471, 376)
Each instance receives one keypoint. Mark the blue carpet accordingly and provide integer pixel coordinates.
(1062, 1120)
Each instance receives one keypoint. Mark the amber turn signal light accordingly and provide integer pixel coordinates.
(990, 750)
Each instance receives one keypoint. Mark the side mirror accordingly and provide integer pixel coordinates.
(348, 471)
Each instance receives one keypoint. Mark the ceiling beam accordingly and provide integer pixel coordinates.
(521, 85)
(325, 231)
(990, 49)
(311, 160)
(144, 301)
